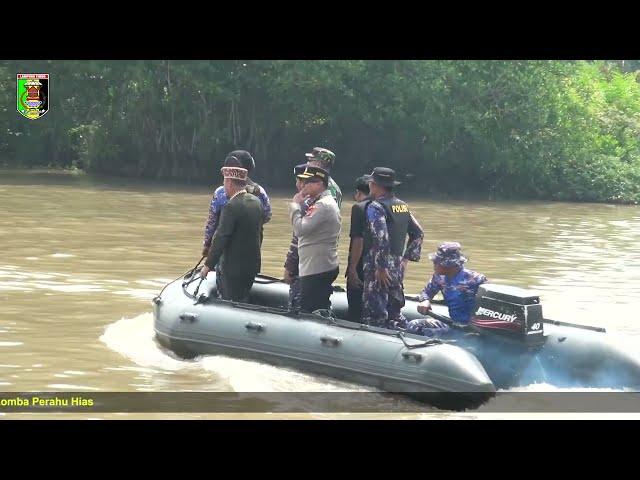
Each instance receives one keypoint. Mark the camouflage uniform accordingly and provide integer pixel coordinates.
(295, 294)
(382, 306)
(336, 193)
(459, 292)
(218, 201)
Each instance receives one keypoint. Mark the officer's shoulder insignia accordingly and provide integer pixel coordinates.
(311, 210)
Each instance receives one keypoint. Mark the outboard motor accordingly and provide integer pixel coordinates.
(510, 313)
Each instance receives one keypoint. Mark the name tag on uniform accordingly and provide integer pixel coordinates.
(400, 208)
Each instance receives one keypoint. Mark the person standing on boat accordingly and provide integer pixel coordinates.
(235, 246)
(318, 230)
(291, 268)
(237, 158)
(457, 284)
(325, 159)
(354, 273)
(389, 221)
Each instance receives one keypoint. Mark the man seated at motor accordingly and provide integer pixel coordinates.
(235, 246)
(457, 284)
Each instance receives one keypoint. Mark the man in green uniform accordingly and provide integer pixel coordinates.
(236, 242)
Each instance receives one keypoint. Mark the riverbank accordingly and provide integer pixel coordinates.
(407, 191)
(40, 170)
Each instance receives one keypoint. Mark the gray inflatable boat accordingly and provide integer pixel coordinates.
(509, 343)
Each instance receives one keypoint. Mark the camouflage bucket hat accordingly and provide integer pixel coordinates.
(327, 157)
(449, 255)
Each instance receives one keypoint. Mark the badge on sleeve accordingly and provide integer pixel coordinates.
(311, 210)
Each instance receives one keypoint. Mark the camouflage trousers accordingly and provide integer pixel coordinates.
(382, 305)
(427, 327)
(295, 294)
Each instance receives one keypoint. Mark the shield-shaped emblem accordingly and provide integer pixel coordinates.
(33, 94)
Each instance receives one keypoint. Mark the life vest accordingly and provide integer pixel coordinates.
(398, 216)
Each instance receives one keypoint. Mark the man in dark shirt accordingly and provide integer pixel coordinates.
(354, 271)
(237, 158)
(236, 241)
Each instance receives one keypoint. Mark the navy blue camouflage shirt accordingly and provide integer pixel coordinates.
(381, 247)
(459, 292)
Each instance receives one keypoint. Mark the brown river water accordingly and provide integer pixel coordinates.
(82, 257)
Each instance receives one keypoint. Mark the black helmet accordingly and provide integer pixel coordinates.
(245, 159)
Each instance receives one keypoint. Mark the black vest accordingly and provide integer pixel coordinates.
(366, 239)
(398, 218)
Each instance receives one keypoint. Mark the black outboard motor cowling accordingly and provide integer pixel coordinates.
(509, 312)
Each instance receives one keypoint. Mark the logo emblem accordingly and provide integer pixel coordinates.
(33, 94)
(310, 211)
(485, 312)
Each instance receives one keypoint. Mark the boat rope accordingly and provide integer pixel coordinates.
(195, 294)
(193, 270)
(326, 315)
(183, 275)
(378, 330)
(428, 343)
(267, 280)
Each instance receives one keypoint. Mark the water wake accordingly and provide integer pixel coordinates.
(134, 339)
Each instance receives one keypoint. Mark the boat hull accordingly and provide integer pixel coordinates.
(462, 363)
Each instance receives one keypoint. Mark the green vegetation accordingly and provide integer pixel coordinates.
(528, 129)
